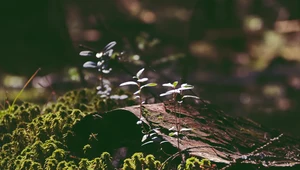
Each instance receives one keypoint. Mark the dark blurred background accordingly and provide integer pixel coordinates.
(242, 55)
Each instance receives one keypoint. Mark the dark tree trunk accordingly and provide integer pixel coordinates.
(35, 35)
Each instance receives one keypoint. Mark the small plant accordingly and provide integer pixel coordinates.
(177, 99)
(102, 66)
(140, 84)
(138, 95)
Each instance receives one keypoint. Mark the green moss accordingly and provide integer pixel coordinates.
(34, 137)
(86, 149)
(138, 161)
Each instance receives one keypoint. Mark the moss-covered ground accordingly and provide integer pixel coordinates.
(34, 137)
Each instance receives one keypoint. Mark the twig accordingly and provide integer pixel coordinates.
(195, 147)
(244, 157)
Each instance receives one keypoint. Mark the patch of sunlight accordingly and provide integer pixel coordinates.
(263, 52)
(253, 24)
(273, 90)
(273, 40)
(201, 49)
(74, 74)
(132, 6)
(136, 57)
(291, 52)
(147, 16)
(14, 81)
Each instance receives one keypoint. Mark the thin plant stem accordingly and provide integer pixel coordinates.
(141, 109)
(194, 147)
(101, 81)
(177, 123)
(140, 100)
(26, 84)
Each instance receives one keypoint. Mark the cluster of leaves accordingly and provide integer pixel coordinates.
(137, 161)
(103, 66)
(177, 99)
(140, 84)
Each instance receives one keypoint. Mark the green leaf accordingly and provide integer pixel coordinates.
(137, 92)
(168, 85)
(139, 122)
(129, 83)
(122, 97)
(144, 137)
(175, 83)
(185, 129)
(138, 74)
(180, 101)
(115, 55)
(149, 85)
(170, 92)
(185, 87)
(155, 139)
(149, 142)
(151, 134)
(189, 96)
(86, 53)
(173, 134)
(172, 128)
(89, 64)
(142, 80)
(162, 142)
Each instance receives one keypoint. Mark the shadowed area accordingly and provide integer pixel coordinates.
(106, 132)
